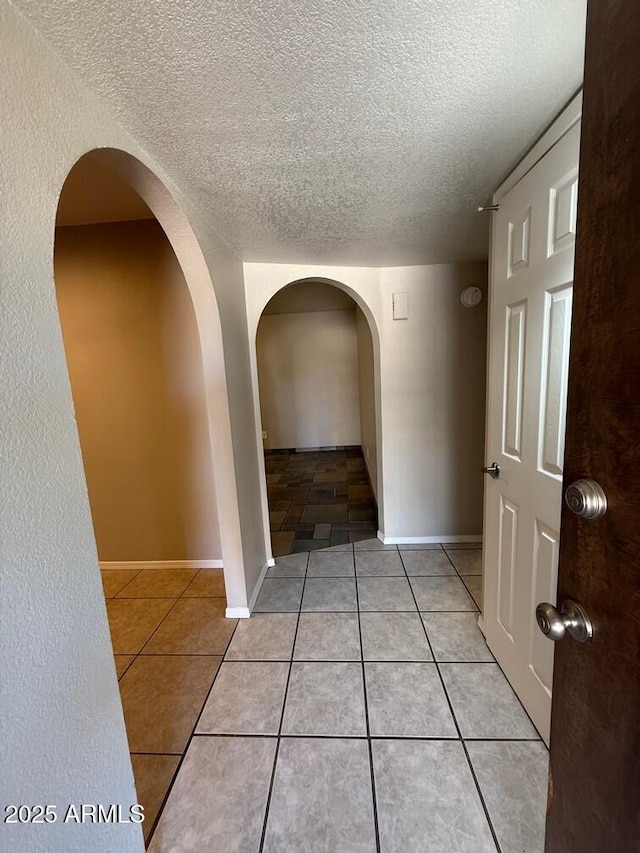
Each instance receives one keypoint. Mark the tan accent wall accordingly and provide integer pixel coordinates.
(134, 361)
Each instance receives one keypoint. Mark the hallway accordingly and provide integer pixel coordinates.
(318, 499)
(359, 709)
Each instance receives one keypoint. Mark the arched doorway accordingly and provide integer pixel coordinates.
(144, 354)
(317, 368)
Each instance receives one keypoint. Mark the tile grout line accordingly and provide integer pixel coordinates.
(366, 714)
(452, 738)
(284, 703)
(495, 661)
(455, 720)
(190, 739)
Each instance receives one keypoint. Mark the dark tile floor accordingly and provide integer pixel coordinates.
(318, 499)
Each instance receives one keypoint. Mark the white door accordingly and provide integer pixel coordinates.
(532, 250)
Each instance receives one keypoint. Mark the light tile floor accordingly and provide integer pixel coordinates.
(359, 709)
(169, 635)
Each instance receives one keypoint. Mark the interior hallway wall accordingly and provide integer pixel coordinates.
(63, 737)
(135, 365)
(366, 384)
(308, 375)
(432, 386)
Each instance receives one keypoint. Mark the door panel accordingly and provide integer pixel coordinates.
(595, 730)
(555, 370)
(529, 333)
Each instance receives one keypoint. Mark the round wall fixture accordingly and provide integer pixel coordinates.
(471, 297)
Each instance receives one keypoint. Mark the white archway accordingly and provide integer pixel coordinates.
(366, 309)
(194, 267)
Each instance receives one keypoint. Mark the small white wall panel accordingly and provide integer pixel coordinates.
(507, 562)
(516, 324)
(563, 212)
(519, 235)
(557, 337)
(544, 584)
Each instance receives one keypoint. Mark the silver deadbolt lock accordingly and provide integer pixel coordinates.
(586, 498)
(571, 617)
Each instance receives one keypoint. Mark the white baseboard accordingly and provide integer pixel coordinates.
(237, 613)
(271, 562)
(427, 540)
(258, 587)
(162, 564)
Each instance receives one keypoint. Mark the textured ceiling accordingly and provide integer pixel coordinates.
(330, 131)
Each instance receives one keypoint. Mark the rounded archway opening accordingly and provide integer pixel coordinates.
(109, 190)
(144, 353)
(317, 367)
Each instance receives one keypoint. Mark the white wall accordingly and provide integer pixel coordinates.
(431, 374)
(308, 375)
(63, 738)
(366, 382)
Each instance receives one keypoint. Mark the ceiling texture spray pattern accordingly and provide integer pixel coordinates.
(358, 132)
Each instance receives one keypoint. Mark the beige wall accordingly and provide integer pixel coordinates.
(136, 376)
(63, 737)
(367, 399)
(308, 376)
(430, 370)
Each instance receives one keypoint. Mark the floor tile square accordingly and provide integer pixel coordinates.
(322, 531)
(153, 775)
(325, 699)
(456, 637)
(513, 779)
(433, 593)
(281, 542)
(374, 544)
(289, 566)
(324, 512)
(219, 799)
(336, 564)
(407, 700)
(246, 699)
(467, 561)
(394, 637)
(158, 583)
(303, 545)
(357, 534)
(133, 620)
(162, 697)
(379, 563)
(195, 626)
(385, 594)
(329, 594)
(113, 580)
(427, 563)
(345, 545)
(425, 790)
(328, 636)
(208, 583)
(474, 585)
(280, 595)
(265, 636)
(484, 703)
(122, 663)
(322, 799)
